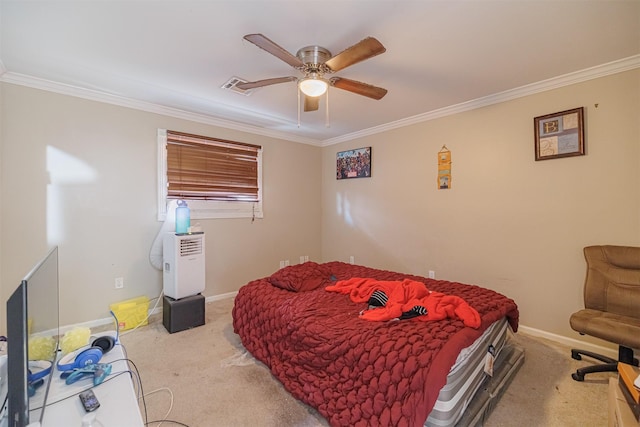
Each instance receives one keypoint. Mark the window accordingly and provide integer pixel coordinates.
(218, 178)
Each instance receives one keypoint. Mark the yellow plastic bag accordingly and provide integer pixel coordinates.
(131, 313)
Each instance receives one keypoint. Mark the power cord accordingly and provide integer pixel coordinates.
(140, 390)
(142, 395)
(167, 421)
(170, 401)
(148, 315)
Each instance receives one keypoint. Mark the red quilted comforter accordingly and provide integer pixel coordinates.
(356, 372)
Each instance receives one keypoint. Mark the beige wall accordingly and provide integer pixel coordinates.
(82, 175)
(509, 223)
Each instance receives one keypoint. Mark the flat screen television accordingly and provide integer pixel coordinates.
(32, 343)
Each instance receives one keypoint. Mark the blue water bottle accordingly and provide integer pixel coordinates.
(183, 217)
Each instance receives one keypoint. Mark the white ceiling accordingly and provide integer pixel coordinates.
(440, 54)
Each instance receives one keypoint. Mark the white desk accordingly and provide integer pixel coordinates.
(118, 401)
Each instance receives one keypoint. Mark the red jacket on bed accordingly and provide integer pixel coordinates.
(403, 297)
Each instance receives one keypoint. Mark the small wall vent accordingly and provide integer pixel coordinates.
(231, 85)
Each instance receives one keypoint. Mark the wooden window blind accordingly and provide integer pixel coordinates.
(204, 168)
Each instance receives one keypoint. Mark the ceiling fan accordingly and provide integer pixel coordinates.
(315, 62)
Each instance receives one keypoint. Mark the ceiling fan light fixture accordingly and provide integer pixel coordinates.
(313, 86)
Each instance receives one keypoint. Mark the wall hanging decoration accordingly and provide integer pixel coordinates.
(559, 134)
(444, 168)
(353, 163)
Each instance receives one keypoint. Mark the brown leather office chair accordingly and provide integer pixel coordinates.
(612, 305)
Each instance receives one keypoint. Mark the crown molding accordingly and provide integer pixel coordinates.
(603, 70)
(99, 96)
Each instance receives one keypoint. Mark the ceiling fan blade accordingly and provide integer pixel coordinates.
(265, 82)
(311, 103)
(360, 88)
(360, 51)
(279, 52)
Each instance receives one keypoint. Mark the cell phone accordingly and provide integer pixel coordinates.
(89, 400)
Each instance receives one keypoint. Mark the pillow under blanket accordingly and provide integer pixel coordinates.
(301, 277)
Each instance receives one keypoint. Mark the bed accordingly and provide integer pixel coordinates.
(421, 369)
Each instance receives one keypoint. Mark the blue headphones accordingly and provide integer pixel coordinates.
(38, 369)
(91, 354)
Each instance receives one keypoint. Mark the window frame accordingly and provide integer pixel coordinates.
(205, 209)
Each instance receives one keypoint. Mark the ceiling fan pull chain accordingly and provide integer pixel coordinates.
(326, 115)
(298, 91)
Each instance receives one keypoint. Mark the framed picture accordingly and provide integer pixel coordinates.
(353, 163)
(559, 134)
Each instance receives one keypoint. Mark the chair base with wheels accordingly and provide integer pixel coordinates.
(625, 355)
(611, 306)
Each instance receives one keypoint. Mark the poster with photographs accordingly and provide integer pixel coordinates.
(354, 163)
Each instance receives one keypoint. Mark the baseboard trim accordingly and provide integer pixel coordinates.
(157, 308)
(212, 298)
(570, 342)
(221, 296)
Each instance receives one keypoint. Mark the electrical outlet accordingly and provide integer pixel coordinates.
(301, 259)
(432, 274)
(306, 258)
(282, 264)
(352, 259)
(286, 263)
(119, 284)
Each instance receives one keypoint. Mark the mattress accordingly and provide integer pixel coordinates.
(491, 389)
(466, 376)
